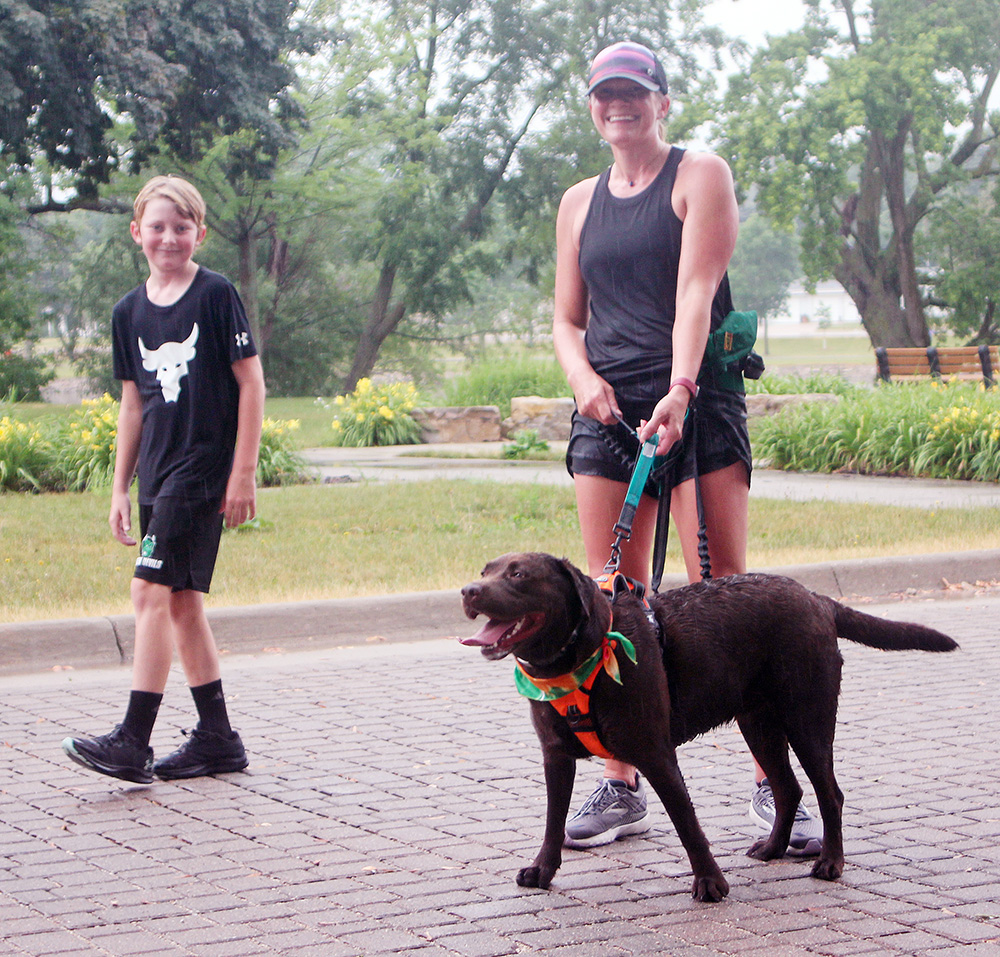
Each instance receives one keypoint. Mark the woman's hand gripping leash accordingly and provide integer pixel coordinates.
(640, 475)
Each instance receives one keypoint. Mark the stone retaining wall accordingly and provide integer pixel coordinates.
(550, 418)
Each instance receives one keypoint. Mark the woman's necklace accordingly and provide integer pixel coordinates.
(638, 175)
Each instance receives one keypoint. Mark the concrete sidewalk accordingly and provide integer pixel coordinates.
(395, 789)
(467, 461)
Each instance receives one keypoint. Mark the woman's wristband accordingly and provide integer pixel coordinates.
(688, 384)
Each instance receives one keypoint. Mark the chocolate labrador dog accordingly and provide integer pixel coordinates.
(758, 648)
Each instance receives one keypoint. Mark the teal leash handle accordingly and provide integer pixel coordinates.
(640, 475)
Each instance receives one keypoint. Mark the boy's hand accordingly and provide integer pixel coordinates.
(120, 518)
(240, 503)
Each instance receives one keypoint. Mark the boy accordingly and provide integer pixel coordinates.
(191, 413)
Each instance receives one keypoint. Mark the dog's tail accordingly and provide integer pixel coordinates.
(888, 635)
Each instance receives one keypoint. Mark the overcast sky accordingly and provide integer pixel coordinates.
(751, 19)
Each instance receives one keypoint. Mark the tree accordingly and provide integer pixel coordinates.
(965, 240)
(455, 95)
(91, 87)
(858, 126)
(21, 376)
(764, 265)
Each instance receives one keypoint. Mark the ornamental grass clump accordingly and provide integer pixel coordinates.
(78, 454)
(826, 382)
(279, 462)
(27, 458)
(86, 445)
(926, 430)
(376, 415)
(496, 379)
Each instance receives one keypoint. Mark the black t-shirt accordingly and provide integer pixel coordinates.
(629, 254)
(180, 357)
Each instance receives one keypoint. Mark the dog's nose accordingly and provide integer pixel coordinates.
(471, 591)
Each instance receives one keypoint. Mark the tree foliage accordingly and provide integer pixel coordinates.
(21, 375)
(470, 106)
(964, 238)
(764, 264)
(91, 87)
(859, 125)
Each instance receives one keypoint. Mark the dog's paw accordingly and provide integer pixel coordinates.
(765, 850)
(827, 870)
(535, 876)
(710, 890)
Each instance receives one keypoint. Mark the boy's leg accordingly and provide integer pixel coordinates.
(125, 752)
(200, 659)
(212, 747)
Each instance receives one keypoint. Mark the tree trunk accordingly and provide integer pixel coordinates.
(247, 247)
(874, 276)
(382, 321)
(277, 272)
(891, 160)
(874, 287)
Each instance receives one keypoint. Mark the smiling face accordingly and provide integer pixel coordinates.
(624, 111)
(168, 237)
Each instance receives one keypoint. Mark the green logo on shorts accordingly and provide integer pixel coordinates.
(148, 546)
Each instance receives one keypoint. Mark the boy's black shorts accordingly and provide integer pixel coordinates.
(180, 542)
(609, 451)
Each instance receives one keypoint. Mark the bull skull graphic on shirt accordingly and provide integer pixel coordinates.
(170, 363)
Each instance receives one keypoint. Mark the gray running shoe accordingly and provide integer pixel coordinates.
(807, 831)
(116, 754)
(204, 752)
(613, 810)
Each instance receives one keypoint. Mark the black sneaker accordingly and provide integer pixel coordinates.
(204, 752)
(118, 754)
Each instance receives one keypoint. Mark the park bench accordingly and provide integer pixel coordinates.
(961, 362)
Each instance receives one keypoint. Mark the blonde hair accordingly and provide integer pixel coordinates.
(179, 191)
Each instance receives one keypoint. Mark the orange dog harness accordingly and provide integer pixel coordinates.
(569, 694)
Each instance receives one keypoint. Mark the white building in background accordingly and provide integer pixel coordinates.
(829, 305)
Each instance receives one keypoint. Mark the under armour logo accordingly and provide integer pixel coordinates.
(242, 339)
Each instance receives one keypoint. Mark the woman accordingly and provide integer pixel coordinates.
(641, 257)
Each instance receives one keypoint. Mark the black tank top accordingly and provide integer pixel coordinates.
(629, 252)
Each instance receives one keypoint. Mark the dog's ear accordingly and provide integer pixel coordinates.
(593, 603)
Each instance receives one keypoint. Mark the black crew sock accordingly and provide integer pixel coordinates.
(211, 705)
(140, 716)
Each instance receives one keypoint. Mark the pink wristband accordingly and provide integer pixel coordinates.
(688, 384)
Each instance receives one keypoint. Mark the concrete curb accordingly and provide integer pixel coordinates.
(260, 629)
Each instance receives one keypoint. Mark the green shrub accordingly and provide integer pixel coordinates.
(21, 379)
(27, 458)
(796, 384)
(78, 453)
(86, 445)
(929, 430)
(495, 381)
(376, 415)
(279, 462)
(526, 443)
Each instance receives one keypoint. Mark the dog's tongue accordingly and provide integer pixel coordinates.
(490, 633)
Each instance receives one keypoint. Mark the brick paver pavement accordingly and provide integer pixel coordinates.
(394, 791)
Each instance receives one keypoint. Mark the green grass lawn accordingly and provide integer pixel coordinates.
(837, 349)
(339, 541)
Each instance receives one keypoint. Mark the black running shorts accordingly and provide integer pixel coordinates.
(715, 436)
(180, 542)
